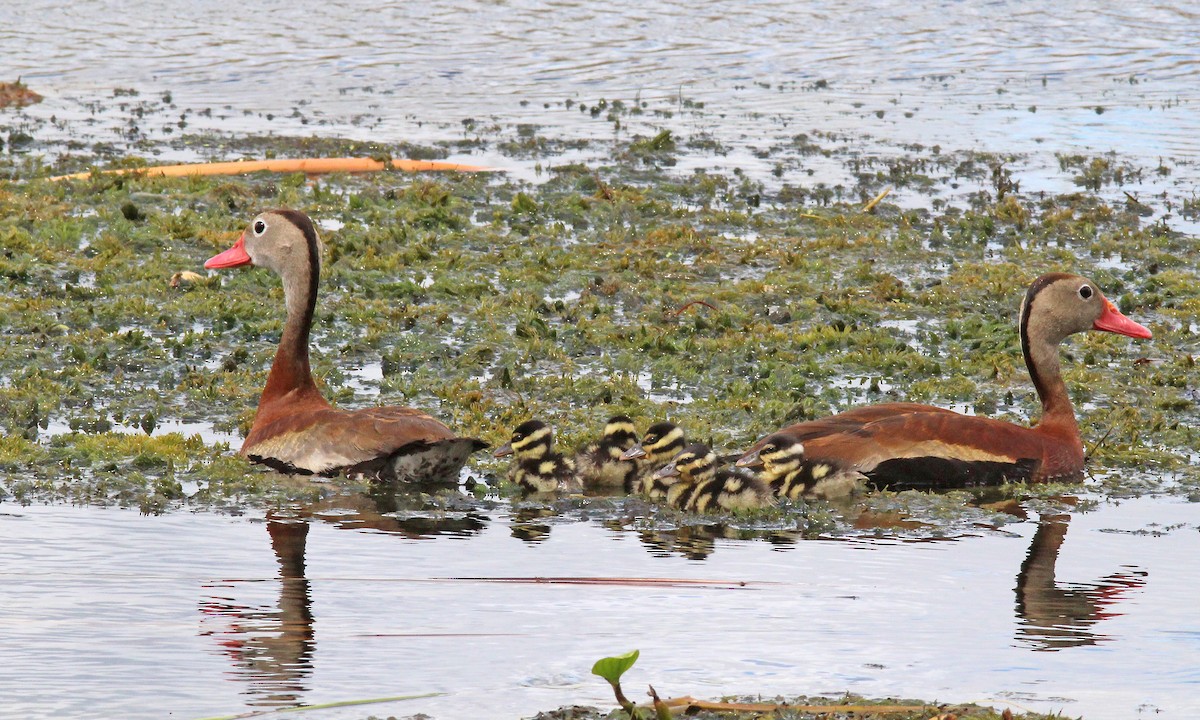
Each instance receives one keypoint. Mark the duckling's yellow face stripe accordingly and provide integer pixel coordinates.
(693, 466)
(782, 459)
(653, 446)
(534, 444)
(618, 428)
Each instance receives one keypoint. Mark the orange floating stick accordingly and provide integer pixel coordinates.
(309, 166)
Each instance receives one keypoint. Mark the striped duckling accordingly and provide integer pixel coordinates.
(536, 466)
(602, 464)
(662, 441)
(701, 487)
(791, 476)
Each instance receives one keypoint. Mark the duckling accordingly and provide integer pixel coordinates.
(702, 487)
(661, 442)
(790, 475)
(537, 467)
(602, 464)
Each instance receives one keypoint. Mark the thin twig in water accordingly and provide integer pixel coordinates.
(691, 703)
(626, 581)
(1099, 443)
(325, 706)
(687, 305)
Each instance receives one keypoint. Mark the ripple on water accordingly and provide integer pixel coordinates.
(991, 76)
(116, 619)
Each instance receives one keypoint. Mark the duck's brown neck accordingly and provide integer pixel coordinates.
(291, 377)
(1045, 369)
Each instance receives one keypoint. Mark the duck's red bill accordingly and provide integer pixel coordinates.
(232, 257)
(1111, 320)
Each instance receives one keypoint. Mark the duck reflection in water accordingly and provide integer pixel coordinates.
(526, 523)
(1057, 615)
(1051, 615)
(415, 511)
(272, 647)
(697, 542)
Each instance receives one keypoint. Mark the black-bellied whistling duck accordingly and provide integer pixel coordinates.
(789, 476)
(295, 429)
(601, 464)
(920, 446)
(662, 441)
(702, 487)
(537, 466)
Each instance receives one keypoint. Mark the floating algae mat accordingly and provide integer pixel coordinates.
(728, 306)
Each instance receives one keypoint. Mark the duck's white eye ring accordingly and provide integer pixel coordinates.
(260, 227)
(1086, 292)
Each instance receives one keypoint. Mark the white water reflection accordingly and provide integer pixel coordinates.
(356, 601)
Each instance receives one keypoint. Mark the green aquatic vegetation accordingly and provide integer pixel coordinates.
(720, 301)
(611, 669)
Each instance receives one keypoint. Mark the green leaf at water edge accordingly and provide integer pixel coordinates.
(612, 668)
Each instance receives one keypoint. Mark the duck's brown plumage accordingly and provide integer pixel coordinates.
(906, 445)
(295, 429)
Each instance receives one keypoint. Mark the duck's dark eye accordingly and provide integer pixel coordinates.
(1086, 292)
(260, 227)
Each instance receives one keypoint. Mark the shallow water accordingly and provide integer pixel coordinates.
(113, 614)
(1011, 77)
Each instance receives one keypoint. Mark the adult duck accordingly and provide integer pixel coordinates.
(295, 429)
(908, 445)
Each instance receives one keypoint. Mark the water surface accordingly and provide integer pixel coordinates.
(1007, 76)
(112, 614)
